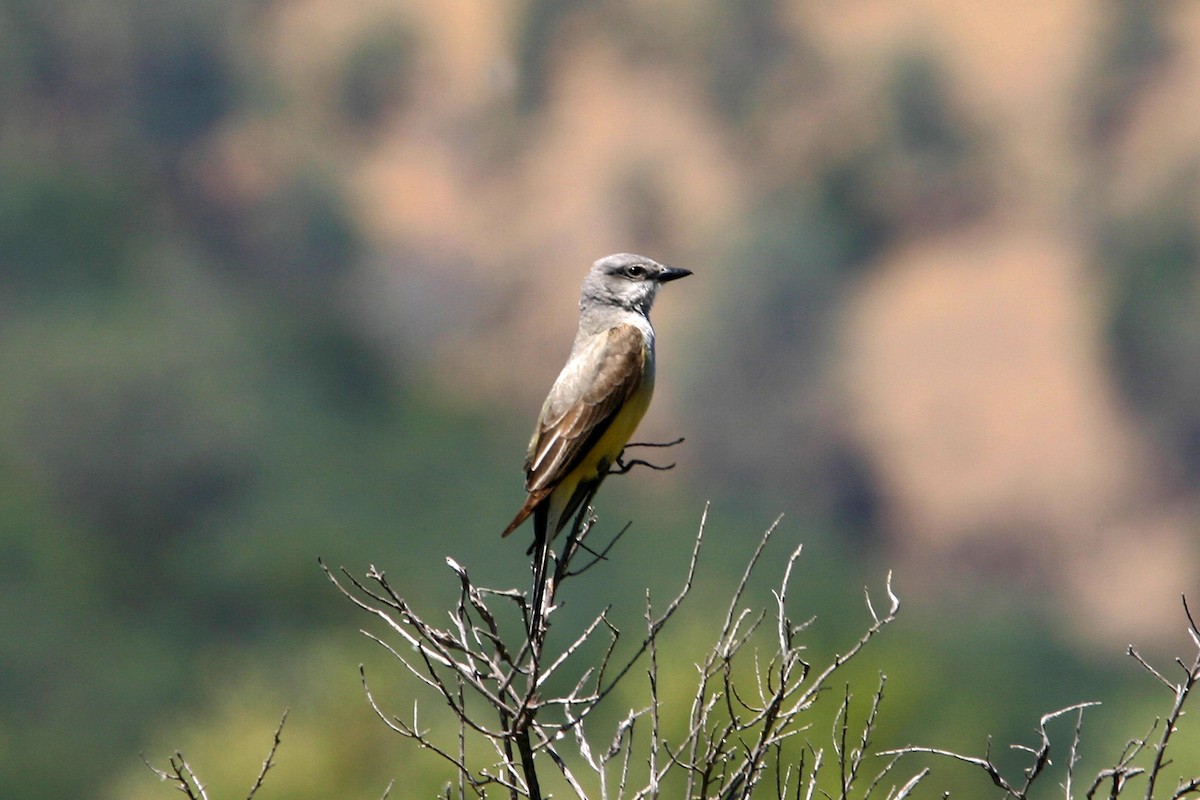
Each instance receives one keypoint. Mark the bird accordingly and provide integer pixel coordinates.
(596, 402)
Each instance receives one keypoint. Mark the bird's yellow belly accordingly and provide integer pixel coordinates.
(594, 466)
(617, 436)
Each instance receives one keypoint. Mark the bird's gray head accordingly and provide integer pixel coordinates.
(627, 281)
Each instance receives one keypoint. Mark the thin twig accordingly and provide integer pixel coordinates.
(621, 467)
(269, 761)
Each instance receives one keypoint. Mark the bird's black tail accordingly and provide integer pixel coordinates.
(543, 575)
(541, 562)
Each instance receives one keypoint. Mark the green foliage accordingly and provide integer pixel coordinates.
(295, 245)
(803, 250)
(32, 57)
(66, 231)
(747, 41)
(931, 171)
(184, 79)
(174, 468)
(376, 77)
(1135, 42)
(1151, 259)
(925, 121)
(537, 32)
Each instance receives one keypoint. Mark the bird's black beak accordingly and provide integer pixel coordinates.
(672, 273)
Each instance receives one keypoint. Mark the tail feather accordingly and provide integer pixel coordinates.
(541, 562)
(521, 516)
(532, 501)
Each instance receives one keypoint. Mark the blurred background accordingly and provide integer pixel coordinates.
(289, 278)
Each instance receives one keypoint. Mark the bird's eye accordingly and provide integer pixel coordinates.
(635, 271)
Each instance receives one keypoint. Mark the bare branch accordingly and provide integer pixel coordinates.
(983, 763)
(1146, 666)
(732, 734)
(269, 761)
(839, 661)
(907, 788)
(1073, 755)
(1182, 691)
(180, 775)
(621, 466)
(597, 556)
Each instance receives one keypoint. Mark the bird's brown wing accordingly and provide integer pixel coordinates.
(581, 405)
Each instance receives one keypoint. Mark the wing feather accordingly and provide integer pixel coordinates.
(582, 404)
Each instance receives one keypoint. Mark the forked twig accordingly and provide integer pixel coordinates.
(621, 466)
(187, 781)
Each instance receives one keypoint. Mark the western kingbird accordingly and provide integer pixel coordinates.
(598, 399)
